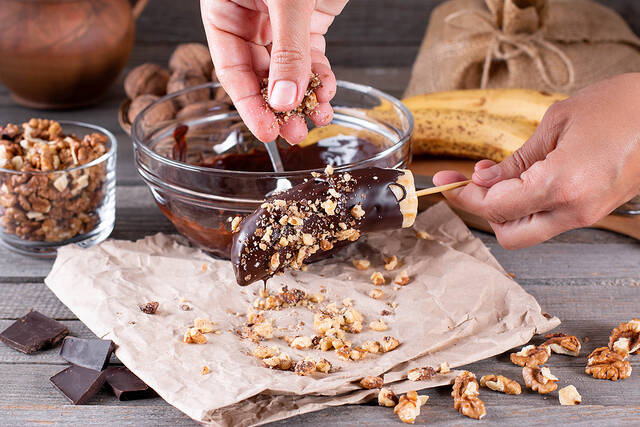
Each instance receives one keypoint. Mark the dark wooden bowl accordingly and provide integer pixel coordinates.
(63, 54)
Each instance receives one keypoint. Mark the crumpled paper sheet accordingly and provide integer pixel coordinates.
(460, 307)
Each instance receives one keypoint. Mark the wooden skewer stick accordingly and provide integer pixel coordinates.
(442, 188)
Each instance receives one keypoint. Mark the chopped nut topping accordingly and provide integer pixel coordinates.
(387, 398)
(388, 344)
(563, 344)
(361, 264)
(194, 336)
(402, 279)
(421, 374)
(371, 382)
(263, 329)
(371, 346)
(605, 364)
(569, 396)
(377, 278)
(357, 211)
(376, 293)
(444, 368)
(539, 379)
(205, 370)
(265, 352)
(328, 170)
(465, 396)
(501, 384)
(301, 343)
(308, 239)
(329, 206)
(390, 263)
(323, 365)
(305, 367)
(150, 307)
(235, 224)
(408, 407)
(625, 339)
(378, 325)
(531, 355)
(275, 262)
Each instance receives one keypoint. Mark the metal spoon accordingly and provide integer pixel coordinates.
(282, 184)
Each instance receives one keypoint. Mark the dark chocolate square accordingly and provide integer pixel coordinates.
(88, 353)
(78, 384)
(33, 332)
(126, 385)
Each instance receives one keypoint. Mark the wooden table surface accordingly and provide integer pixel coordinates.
(590, 279)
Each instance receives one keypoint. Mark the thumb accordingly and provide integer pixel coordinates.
(541, 143)
(290, 52)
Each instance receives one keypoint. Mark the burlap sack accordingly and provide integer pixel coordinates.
(549, 45)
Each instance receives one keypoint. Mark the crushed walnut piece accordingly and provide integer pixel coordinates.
(465, 396)
(388, 344)
(150, 307)
(306, 107)
(390, 263)
(205, 370)
(421, 374)
(540, 379)
(377, 278)
(371, 346)
(531, 355)
(387, 397)
(282, 362)
(235, 224)
(402, 278)
(569, 396)
(408, 407)
(62, 203)
(376, 293)
(357, 211)
(605, 364)
(500, 383)
(301, 343)
(361, 264)
(265, 352)
(378, 325)
(323, 365)
(563, 344)
(444, 368)
(194, 336)
(204, 325)
(371, 382)
(305, 367)
(625, 339)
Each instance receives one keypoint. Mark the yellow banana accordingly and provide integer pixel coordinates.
(468, 134)
(525, 104)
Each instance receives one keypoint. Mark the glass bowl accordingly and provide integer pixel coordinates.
(41, 211)
(204, 167)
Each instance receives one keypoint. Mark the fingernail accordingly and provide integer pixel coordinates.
(283, 93)
(488, 174)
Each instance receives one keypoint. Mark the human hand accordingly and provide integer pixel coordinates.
(581, 163)
(280, 39)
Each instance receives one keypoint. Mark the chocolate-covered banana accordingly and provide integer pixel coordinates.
(326, 211)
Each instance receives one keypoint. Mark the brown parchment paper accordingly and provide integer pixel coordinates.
(459, 308)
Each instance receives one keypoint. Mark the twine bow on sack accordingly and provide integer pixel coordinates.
(530, 44)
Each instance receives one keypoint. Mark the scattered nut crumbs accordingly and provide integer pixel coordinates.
(501, 384)
(408, 407)
(569, 396)
(361, 264)
(390, 263)
(387, 397)
(306, 107)
(465, 396)
(205, 370)
(371, 382)
(402, 279)
(605, 364)
(150, 307)
(531, 355)
(377, 278)
(376, 293)
(421, 374)
(540, 379)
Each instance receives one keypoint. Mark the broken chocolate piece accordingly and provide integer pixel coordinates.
(88, 353)
(150, 307)
(126, 385)
(33, 332)
(78, 384)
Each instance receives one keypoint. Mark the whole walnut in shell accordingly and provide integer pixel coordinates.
(182, 80)
(159, 113)
(192, 57)
(146, 79)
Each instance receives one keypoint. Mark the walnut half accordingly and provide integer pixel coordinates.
(501, 384)
(563, 344)
(540, 379)
(465, 396)
(531, 355)
(626, 338)
(605, 364)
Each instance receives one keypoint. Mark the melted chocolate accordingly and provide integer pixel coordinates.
(252, 253)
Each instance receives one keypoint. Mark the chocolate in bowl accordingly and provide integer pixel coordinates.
(220, 170)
